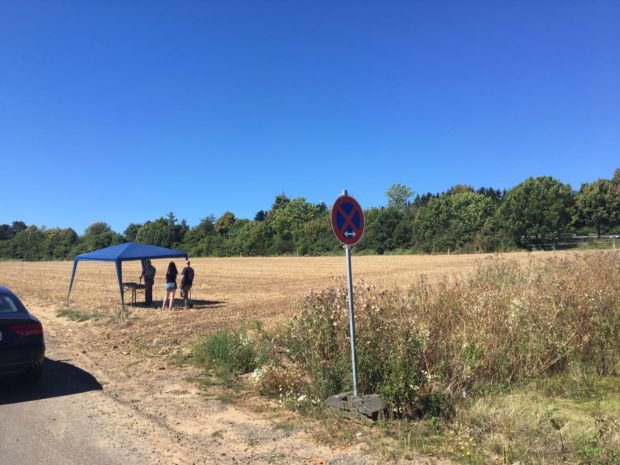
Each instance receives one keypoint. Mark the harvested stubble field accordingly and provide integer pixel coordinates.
(227, 292)
(136, 357)
(261, 288)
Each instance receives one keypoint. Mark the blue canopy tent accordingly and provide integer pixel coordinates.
(124, 252)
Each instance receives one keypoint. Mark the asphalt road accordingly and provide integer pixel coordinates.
(67, 419)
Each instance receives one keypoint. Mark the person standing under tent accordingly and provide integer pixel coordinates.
(187, 279)
(171, 285)
(149, 279)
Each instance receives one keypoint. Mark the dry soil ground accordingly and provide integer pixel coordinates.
(134, 357)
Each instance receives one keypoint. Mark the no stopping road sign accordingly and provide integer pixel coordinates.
(347, 220)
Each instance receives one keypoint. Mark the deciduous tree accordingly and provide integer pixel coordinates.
(99, 235)
(451, 221)
(538, 208)
(224, 223)
(398, 197)
(598, 205)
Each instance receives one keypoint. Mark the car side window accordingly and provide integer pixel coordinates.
(7, 305)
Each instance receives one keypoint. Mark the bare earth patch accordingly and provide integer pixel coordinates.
(134, 358)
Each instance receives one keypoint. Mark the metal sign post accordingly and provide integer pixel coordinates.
(347, 249)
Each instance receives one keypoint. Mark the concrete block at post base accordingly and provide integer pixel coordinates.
(364, 408)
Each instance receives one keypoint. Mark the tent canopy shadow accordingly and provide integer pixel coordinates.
(197, 304)
(59, 379)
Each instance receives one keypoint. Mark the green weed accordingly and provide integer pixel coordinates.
(80, 315)
(227, 354)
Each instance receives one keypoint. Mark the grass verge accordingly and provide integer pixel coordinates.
(514, 364)
(80, 315)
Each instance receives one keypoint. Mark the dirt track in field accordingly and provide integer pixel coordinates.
(134, 358)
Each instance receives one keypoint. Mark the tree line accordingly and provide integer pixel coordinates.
(462, 219)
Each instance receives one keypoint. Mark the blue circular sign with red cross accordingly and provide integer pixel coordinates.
(347, 220)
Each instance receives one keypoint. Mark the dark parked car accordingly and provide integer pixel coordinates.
(22, 348)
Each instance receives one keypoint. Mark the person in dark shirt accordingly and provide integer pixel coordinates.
(171, 285)
(187, 279)
(149, 279)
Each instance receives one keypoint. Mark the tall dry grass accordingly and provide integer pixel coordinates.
(426, 349)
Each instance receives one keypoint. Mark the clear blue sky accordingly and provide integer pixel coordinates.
(122, 111)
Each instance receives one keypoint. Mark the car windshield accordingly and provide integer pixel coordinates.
(8, 305)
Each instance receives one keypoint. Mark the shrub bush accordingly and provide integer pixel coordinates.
(227, 352)
(426, 349)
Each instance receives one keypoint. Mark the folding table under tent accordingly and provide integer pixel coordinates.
(124, 252)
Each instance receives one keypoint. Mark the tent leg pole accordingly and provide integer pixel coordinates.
(72, 278)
